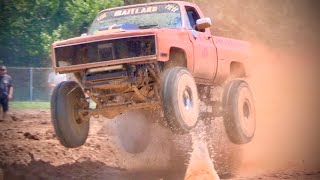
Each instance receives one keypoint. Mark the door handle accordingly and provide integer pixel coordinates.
(208, 37)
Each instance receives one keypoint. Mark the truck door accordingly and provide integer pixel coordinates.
(205, 54)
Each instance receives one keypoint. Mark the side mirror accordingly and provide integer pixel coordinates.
(203, 23)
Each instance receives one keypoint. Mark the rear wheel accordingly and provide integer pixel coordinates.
(71, 129)
(180, 99)
(239, 116)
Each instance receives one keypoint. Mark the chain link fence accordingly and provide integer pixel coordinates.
(30, 84)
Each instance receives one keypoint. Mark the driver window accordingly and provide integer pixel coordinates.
(193, 16)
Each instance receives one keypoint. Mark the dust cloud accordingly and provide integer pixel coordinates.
(285, 98)
(284, 77)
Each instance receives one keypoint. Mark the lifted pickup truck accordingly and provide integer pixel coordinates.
(157, 56)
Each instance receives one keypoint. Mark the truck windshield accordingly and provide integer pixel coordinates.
(141, 17)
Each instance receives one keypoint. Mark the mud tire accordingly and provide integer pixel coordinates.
(180, 99)
(239, 116)
(71, 130)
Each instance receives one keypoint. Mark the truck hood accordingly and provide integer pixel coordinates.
(103, 35)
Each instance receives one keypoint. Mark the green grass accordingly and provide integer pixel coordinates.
(29, 105)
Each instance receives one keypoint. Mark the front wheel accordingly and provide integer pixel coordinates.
(70, 128)
(180, 99)
(239, 116)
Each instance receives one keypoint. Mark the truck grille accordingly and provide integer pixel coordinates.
(105, 50)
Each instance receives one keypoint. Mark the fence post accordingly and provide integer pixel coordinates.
(31, 83)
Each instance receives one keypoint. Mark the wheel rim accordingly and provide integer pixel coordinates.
(247, 112)
(76, 114)
(79, 122)
(187, 94)
(187, 98)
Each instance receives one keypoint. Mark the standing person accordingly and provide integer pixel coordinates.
(6, 91)
(54, 79)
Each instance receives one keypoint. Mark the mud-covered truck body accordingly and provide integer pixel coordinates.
(152, 56)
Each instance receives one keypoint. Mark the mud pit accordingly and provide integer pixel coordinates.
(30, 150)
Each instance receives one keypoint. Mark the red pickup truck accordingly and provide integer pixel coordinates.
(158, 56)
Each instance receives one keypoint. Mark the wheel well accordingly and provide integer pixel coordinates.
(237, 69)
(177, 58)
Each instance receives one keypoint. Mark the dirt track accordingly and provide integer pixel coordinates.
(30, 150)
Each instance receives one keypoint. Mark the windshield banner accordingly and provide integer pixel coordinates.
(139, 10)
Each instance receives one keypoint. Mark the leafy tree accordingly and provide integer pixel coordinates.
(28, 27)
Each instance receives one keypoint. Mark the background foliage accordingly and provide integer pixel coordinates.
(28, 27)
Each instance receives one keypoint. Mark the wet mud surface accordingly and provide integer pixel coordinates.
(29, 149)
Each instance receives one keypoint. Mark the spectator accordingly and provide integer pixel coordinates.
(54, 79)
(6, 91)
